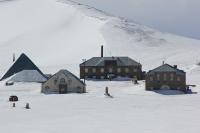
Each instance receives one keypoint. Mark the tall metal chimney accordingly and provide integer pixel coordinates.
(101, 50)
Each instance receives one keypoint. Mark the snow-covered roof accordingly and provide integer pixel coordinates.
(66, 72)
(28, 76)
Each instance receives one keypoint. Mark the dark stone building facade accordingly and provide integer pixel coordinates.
(166, 77)
(110, 67)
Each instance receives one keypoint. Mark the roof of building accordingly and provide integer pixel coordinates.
(166, 68)
(66, 72)
(100, 61)
(28, 76)
(22, 63)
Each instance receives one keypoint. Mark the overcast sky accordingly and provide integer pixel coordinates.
(176, 16)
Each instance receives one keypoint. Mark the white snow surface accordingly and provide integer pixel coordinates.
(132, 109)
(58, 35)
(28, 76)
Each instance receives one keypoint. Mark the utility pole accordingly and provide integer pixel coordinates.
(13, 57)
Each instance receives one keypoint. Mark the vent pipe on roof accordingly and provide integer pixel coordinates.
(101, 50)
(175, 66)
(13, 57)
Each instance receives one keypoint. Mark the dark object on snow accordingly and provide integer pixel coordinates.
(9, 83)
(13, 98)
(27, 106)
(22, 63)
(107, 93)
(13, 105)
(135, 81)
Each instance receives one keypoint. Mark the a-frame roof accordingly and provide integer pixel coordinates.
(66, 73)
(166, 68)
(22, 63)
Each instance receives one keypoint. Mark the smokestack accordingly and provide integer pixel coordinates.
(175, 66)
(101, 50)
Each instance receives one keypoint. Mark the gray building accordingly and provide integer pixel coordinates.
(166, 77)
(63, 82)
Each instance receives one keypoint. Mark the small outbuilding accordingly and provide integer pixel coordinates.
(166, 77)
(63, 82)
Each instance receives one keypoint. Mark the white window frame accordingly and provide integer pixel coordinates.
(118, 70)
(86, 70)
(94, 70)
(127, 70)
(102, 70)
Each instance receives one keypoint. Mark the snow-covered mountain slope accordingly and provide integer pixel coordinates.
(56, 34)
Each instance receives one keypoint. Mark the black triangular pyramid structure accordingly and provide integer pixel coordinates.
(22, 63)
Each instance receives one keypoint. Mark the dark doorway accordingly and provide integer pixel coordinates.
(63, 88)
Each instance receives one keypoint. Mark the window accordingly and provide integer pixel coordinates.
(171, 76)
(119, 70)
(55, 81)
(62, 81)
(110, 70)
(158, 76)
(126, 70)
(178, 78)
(151, 78)
(69, 81)
(134, 70)
(165, 76)
(102, 70)
(94, 70)
(86, 70)
(102, 77)
(46, 88)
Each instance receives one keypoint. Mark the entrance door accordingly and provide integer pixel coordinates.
(63, 88)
